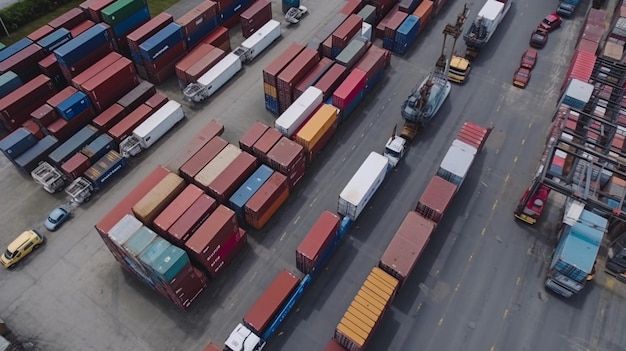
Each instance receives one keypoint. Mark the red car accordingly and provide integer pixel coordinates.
(539, 38)
(529, 59)
(551, 22)
(521, 77)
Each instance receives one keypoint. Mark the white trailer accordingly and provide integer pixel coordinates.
(259, 41)
(49, 177)
(152, 129)
(299, 110)
(215, 78)
(364, 183)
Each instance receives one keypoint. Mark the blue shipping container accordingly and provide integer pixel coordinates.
(89, 41)
(388, 43)
(55, 39)
(169, 264)
(348, 110)
(249, 188)
(111, 167)
(271, 104)
(132, 22)
(153, 251)
(73, 145)
(73, 105)
(136, 56)
(9, 81)
(99, 147)
(201, 32)
(373, 81)
(406, 34)
(30, 159)
(233, 9)
(14, 48)
(17, 143)
(163, 40)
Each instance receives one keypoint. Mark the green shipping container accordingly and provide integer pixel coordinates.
(120, 10)
(2, 46)
(368, 13)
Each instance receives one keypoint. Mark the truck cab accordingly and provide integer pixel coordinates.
(394, 150)
(243, 339)
(459, 69)
(534, 204)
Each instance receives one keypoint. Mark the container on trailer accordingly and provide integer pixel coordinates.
(407, 246)
(190, 221)
(248, 189)
(108, 86)
(259, 13)
(261, 314)
(210, 131)
(73, 145)
(353, 6)
(105, 168)
(137, 96)
(406, 34)
(219, 38)
(109, 117)
(362, 186)
(207, 239)
(55, 39)
(312, 77)
(17, 143)
(316, 242)
(166, 38)
(98, 147)
(15, 48)
(31, 158)
(213, 169)
(317, 131)
(81, 28)
(203, 65)
(252, 136)
(457, 162)
(392, 25)
(24, 63)
(261, 39)
(175, 210)
(292, 73)
(154, 127)
(125, 127)
(349, 56)
(231, 178)
(89, 41)
(290, 120)
(424, 12)
(220, 74)
(158, 100)
(436, 198)
(346, 31)
(96, 68)
(68, 20)
(267, 200)
(40, 33)
(368, 13)
(331, 80)
(348, 90)
(287, 157)
(76, 165)
(158, 198)
(73, 106)
(265, 144)
(15, 108)
(202, 157)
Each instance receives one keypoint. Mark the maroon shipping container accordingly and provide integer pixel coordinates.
(191, 220)
(353, 6)
(82, 27)
(270, 302)
(87, 61)
(210, 131)
(176, 209)
(349, 89)
(271, 72)
(191, 58)
(407, 246)
(148, 29)
(186, 289)
(227, 252)
(97, 67)
(195, 164)
(16, 107)
(380, 27)
(223, 4)
(157, 101)
(106, 87)
(327, 47)
(252, 136)
(203, 65)
(329, 82)
(94, 8)
(195, 18)
(346, 31)
(292, 73)
(125, 127)
(231, 178)
(62, 129)
(203, 245)
(374, 60)
(109, 117)
(69, 20)
(34, 128)
(40, 33)
(287, 157)
(316, 241)
(76, 165)
(383, 7)
(267, 200)
(50, 66)
(258, 14)
(312, 77)
(24, 62)
(333, 346)
(392, 25)
(265, 144)
(436, 198)
(44, 115)
(137, 96)
(61, 96)
(219, 38)
(169, 58)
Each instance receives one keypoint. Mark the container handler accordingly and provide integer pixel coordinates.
(49, 177)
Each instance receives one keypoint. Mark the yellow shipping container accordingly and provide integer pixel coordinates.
(377, 292)
(348, 338)
(362, 325)
(158, 198)
(362, 315)
(381, 284)
(369, 302)
(270, 90)
(318, 124)
(357, 334)
(391, 281)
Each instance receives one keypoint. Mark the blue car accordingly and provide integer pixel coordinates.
(57, 217)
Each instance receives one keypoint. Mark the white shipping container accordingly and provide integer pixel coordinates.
(124, 229)
(262, 38)
(366, 31)
(221, 73)
(364, 183)
(298, 112)
(465, 146)
(456, 164)
(579, 91)
(217, 165)
(153, 128)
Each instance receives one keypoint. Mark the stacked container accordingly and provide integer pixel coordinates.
(206, 134)
(30, 159)
(50, 117)
(406, 34)
(176, 209)
(155, 201)
(349, 56)
(108, 86)
(424, 12)
(287, 157)
(124, 128)
(24, 62)
(316, 243)
(252, 136)
(260, 208)
(124, 16)
(331, 80)
(270, 76)
(265, 143)
(259, 13)
(292, 73)
(109, 117)
(201, 158)
(197, 63)
(350, 93)
(213, 169)
(291, 120)
(229, 11)
(392, 25)
(239, 199)
(199, 22)
(312, 77)
(231, 178)
(17, 143)
(344, 33)
(182, 229)
(141, 34)
(161, 51)
(73, 145)
(9, 81)
(373, 63)
(15, 108)
(317, 131)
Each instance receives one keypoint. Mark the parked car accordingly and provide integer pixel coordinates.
(539, 38)
(23, 245)
(529, 59)
(57, 217)
(565, 9)
(521, 77)
(551, 22)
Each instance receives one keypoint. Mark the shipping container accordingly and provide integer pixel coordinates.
(58, 98)
(109, 117)
(105, 168)
(87, 42)
(231, 178)
(149, 207)
(229, 14)
(265, 143)
(227, 252)
(203, 65)
(201, 158)
(317, 131)
(125, 127)
(120, 10)
(108, 86)
(15, 48)
(40, 33)
(186, 289)
(391, 27)
(287, 157)
(176, 209)
(9, 81)
(219, 38)
(373, 62)
(98, 147)
(366, 32)
(289, 122)
(73, 106)
(153, 128)
(349, 56)
(424, 12)
(34, 128)
(55, 39)
(329, 82)
(199, 22)
(17, 143)
(267, 200)
(81, 28)
(368, 13)
(261, 39)
(166, 38)
(406, 34)
(220, 74)
(170, 263)
(158, 100)
(362, 186)
(383, 20)
(345, 32)
(51, 68)
(191, 220)
(194, 56)
(252, 136)
(96, 68)
(213, 169)
(124, 230)
(152, 252)
(248, 189)
(406, 246)
(347, 92)
(261, 314)
(436, 198)
(210, 131)
(137, 96)
(73, 145)
(24, 63)
(31, 158)
(457, 162)
(302, 64)
(137, 243)
(353, 6)
(145, 31)
(316, 242)
(259, 13)
(271, 71)
(63, 130)
(207, 239)
(76, 165)
(312, 77)
(68, 20)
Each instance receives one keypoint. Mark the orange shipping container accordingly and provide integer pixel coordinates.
(424, 11)
(158, 198)
(267, 200)
(316, 126)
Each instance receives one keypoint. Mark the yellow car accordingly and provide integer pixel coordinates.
(24, 244)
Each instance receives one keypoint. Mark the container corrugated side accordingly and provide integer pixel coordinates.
(248, 189)
(316, 241)
(362, 186)
(436, 198)
(201, 158)
(271, 71)
(233, 176)
(267, 200)
(252, 136)
(331, 80)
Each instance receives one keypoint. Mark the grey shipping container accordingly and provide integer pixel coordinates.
(99, 147)
(137, 96)
(73, 145)
(17, 143)
(29, 160)
(368, 13)
(349, 56)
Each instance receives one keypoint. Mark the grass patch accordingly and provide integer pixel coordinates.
(156, 7)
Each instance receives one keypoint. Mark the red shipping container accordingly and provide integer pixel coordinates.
(16, 107)
(292, 73)
(97, 67)
(329, 82)
(265, 144)
(148, 29)
(34, 128)
(186, 292)
(157, 101)
(176, 209)
(61, 96)
(69, 20)
(382, 24)
(327, 47)
(173, 287)
(349, 89)
(195, 18)
(587, 46)
(44, 115)
(436, 198)
(227, 252)
(76, 165)
(383, 7)
(271, 72)
(24, 62)
(108, 86)
(210, 131)
(267, 200)
(252, 136)
(94, 8)
(346, 31)
(374, 60)
(40, 33)
(190, 59)
(219, 38)
(223, 4)
(258, 14)
(287, 157)
(109, 117)
(203, 245)
(191, 220)
(50, 66)
(269, 304)
(316, 241)
(63, 130)
(333, 346)
(207, 62)
(125, 127)
(86, 62)
(353, 6)
(312, 77)
(82, 27)
(195, 164)
(392, 25)
(232, 177)
(160, 77)
(169, 58)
